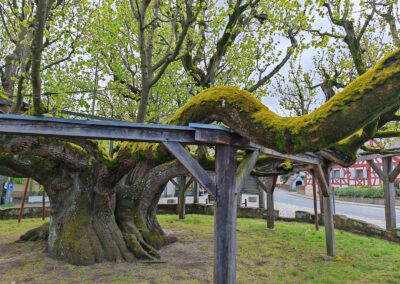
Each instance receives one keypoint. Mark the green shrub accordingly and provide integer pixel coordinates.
(363, 192)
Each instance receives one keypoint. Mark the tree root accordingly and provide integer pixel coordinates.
(38, 234)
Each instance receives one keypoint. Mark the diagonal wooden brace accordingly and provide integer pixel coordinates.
(192, 165)
(393, 175)
(322, 180)
(244, 170)
(377, 170)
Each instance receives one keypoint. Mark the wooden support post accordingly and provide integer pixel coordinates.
(261, 198)
(269, 189)
(315, 203)
(196, 193)
(225, 216)
(270, 210)
(329, 226)
(21, 208)
(389, 194)
(270, 205)
(44, 205)
(181, 197)
(388, 176)
(322, 176)
(321, 201)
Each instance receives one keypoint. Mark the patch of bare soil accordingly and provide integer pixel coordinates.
(189, 260)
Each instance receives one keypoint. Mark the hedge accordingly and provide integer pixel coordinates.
(364, 192)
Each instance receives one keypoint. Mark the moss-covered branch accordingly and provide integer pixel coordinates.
(358, 105)
(344, 123)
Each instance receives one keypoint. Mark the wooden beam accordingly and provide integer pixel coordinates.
(195, 193)
(393, 175)
(174, 183)
(244, 170)
(127, 131)
(181, 197)
(261, 197)
(389, 195)
(225, 216)
(190, 181)
(377, 170)
(87, 129)
(211, 136)
(275, 154)
(323, 180)
(270, 205)
(314, 186)
(192, 166)
(270, 200)
(328, 212)
(329, 226)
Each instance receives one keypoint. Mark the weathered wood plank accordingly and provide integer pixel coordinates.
(225, 216)
(328, 215)
(275, 154)
(394, 174)
(269, 189)
(323, 180)
(211, 136)
(389, 194)
(174, 183)
(244, 170)
(377, 170)
(329, 226)
(192, 166)
(181, 197)
(195, 193)
(189, 183)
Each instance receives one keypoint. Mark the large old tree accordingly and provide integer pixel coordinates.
(104, 209)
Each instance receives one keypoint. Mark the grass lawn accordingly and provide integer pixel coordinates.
(290, 254)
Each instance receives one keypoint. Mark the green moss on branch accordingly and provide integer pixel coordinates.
(358, 105)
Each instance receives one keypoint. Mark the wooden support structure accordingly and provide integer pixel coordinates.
(44, 205)
(192, 166)
(269, 189)
(270, 205)
(181, 197)
(314, 186)
(21, 208)
(261, 198)
(388, 176)
(322, 176)
(227, 179)
(195, 193)
(243, 172)
(225, 216)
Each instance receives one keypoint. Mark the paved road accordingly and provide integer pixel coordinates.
(287, 203)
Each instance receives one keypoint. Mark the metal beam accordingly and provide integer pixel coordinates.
(192, 166)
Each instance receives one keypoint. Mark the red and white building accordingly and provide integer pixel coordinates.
(360, 173)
